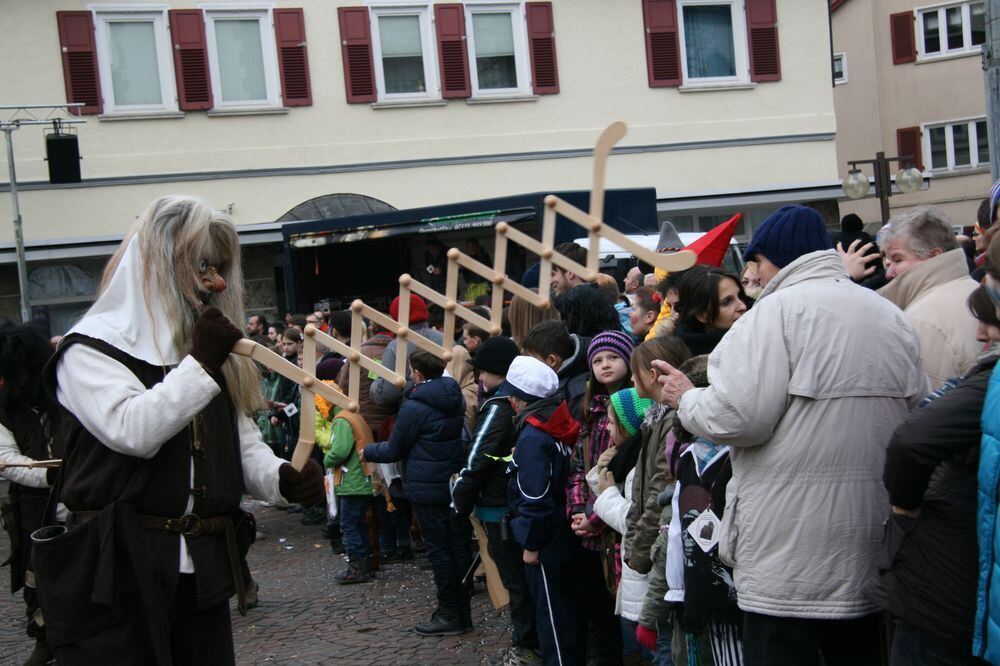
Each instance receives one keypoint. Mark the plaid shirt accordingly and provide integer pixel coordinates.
(593, 442)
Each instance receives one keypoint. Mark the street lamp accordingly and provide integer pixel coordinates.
(8, 127)
(908, 179)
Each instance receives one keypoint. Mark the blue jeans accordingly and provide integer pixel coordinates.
(353, 527)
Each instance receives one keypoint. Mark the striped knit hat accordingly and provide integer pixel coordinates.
(994, 199)
(614, 341)
(630, 409)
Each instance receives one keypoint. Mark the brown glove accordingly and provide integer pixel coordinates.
(305, 487)
(213, 338)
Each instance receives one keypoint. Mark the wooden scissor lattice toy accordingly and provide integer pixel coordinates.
(592, 222)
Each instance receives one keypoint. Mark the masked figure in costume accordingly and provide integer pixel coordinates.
(154, 414)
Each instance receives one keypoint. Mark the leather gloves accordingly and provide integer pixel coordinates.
(305, 487)
(213, 338)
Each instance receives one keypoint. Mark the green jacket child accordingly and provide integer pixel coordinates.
(340, 438)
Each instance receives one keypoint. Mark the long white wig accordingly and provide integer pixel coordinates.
(178, 236)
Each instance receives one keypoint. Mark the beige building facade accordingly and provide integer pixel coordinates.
(909, 74)
(260, 106)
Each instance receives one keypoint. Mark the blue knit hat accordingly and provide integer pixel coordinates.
(994, 199)
(630, 409)
(789, 233)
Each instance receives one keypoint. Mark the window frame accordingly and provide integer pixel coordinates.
(522, 58)
(741, 47)
(105, 14)
(269, 53)
(941, 11)
(843, 68)
(428, 45)
(949, 141)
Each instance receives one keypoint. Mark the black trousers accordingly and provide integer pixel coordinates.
(604, 630)
(448, 549)
(778, 641)
(559, 616)
(196, 637)
(508, 556)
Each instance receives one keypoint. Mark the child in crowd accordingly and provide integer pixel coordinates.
(537, 492)
(608, 357)
(428, 439)
(551, 343)
(645, 309)
(651, 474)
(695, 574)
(482, 489)
(612, 479)
(343, 435)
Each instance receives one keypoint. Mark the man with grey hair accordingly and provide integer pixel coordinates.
(633, 280)
(931, 283)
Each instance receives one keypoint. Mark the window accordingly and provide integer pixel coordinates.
(713, 41)
(242, 58)
(839, 68)
(134, 60)
(950, 29)
(957, 145)
(403, 45)
(497, 49)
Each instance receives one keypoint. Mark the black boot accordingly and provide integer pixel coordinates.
(42, 654)
(441, 624)
(357, 572)
(402, 554)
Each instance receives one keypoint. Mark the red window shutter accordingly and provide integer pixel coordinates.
(453, 55)
(187, 32)
(356, 47)
(908, 143)
(663, 55)
(79, 58)
(904, 41)
(293, 61)
(542, 37)
(762, 33)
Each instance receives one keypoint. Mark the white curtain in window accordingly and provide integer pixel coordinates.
(708, 41)
(400, 36)
(493, 34)
(135, 72)
(241, 60)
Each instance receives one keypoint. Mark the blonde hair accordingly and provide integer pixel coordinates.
(176, 234)
(524, 316)
(608, 285)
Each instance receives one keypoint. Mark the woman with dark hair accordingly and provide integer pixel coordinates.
(587, 311)
(24, 439)
(711, 300)
(927, 571)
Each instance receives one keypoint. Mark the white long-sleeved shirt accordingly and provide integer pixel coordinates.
(115, 407)
(10, 453)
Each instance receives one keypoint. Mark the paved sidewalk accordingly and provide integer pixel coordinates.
(304, 617)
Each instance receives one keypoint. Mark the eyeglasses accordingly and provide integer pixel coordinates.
(312, 321)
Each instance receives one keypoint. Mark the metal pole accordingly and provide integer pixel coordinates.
(991, 77)
(22, 267)
(883, 186)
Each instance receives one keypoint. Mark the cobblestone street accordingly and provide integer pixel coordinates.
(304, 617)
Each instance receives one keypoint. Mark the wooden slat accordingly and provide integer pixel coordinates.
(564, 262)
(499, 268)
(451, 298)
(307, 405)
(431, 296)
(355, 358)
(357, 339)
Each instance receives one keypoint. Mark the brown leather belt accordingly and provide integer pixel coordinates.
(191, 526)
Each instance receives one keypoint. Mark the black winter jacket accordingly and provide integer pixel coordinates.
(573, 374)
(428, 439)
(929, 571)
(483, 480)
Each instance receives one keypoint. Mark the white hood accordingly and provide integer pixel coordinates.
(122, 317)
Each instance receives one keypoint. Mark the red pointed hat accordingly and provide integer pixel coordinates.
(711, 248)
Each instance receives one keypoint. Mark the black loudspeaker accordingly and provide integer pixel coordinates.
(63, 153)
